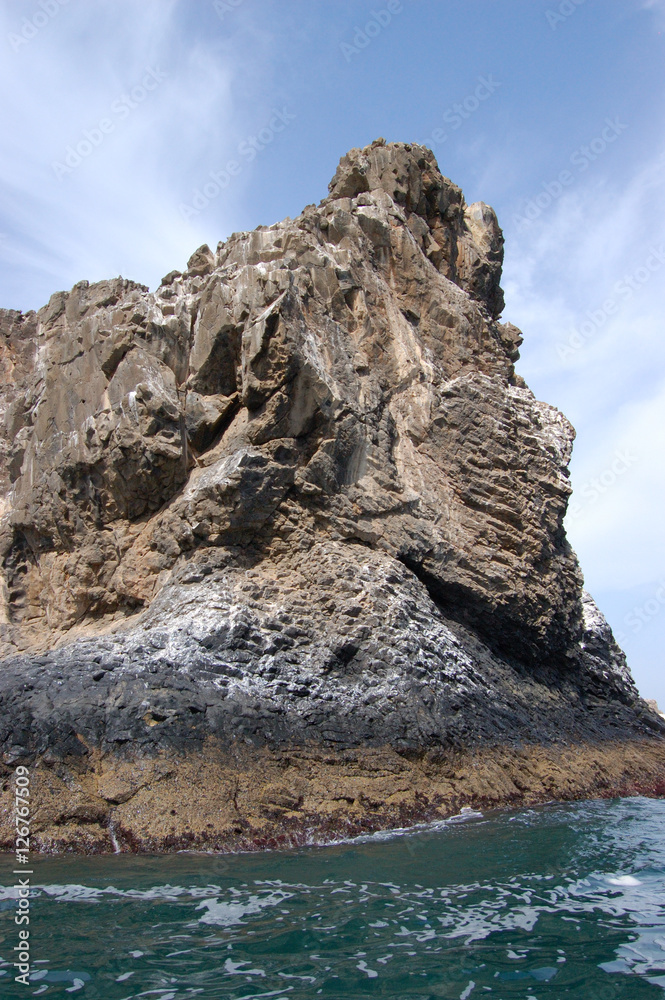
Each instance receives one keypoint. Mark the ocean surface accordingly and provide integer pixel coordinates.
(559, 901)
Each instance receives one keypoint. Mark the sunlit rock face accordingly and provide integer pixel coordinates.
(296, 493)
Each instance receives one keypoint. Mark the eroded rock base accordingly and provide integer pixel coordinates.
(263, 799)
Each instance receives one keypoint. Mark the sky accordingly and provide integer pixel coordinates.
(120, 118)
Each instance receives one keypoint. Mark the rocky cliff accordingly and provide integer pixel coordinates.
(293, 506)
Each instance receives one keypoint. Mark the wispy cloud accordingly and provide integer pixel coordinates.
(657, 7)
(117, 210)
(591, 252)
(619, 532)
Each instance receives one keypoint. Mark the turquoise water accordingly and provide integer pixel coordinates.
(560, 901)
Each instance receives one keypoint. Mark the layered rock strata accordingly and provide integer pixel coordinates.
(294, 502)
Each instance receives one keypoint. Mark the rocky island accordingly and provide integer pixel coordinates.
(283, 553)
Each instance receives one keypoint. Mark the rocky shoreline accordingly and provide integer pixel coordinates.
(266, 800)
(291, 508)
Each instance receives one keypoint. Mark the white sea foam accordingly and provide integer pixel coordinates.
(74, 892)
(383, 836)
(624, 880)
(399, 923)
(228, 914)
(239, 969)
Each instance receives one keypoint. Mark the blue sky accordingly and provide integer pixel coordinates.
(552, 111)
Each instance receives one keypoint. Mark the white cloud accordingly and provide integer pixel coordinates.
(117, 210)
(615, 520)
(594, 346)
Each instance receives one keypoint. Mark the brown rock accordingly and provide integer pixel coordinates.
(295, 496)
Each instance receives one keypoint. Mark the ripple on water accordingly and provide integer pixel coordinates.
(561, 901)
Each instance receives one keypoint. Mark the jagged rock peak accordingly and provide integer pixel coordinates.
(463, 241)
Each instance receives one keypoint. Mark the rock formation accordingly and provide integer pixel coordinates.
(294, 502)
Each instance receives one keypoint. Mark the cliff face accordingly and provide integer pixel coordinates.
(296, 496)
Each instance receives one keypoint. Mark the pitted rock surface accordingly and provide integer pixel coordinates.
(297, 493)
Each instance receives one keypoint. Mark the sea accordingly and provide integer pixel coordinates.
(558, 901)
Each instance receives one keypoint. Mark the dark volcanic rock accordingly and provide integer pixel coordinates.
(296, 495)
